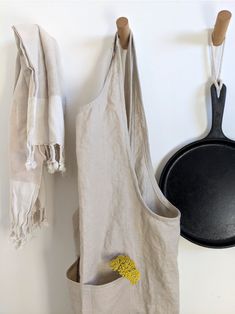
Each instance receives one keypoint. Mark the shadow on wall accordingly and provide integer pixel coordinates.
(204, 91)
(7, 67)
(60, 251)
(202, 94)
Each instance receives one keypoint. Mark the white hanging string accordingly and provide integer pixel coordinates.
(217, 54)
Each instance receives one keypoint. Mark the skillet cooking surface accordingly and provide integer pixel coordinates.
(201, 183)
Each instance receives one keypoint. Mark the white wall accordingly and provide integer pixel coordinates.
(171, 40)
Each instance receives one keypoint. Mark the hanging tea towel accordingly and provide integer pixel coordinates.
(36, 127)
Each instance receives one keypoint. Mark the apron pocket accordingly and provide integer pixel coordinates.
(112, 297)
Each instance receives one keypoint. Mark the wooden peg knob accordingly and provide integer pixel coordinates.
(123, 31)
(221, 25)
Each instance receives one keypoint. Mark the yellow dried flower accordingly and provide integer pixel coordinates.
(125, 266)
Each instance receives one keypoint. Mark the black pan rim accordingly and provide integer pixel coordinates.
(208, 244)
(187, 148)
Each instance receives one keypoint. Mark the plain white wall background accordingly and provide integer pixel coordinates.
(173, 57)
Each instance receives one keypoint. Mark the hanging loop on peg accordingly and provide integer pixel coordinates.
(217, 43)
(123, 31)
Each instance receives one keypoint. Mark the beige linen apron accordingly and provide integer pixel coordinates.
(121, 208)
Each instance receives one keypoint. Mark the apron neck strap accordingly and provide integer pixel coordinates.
(128, 77)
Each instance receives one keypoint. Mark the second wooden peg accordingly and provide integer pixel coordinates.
(221, 26)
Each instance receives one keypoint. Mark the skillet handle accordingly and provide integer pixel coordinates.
(217, 103)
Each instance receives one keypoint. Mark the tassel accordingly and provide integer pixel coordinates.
(125, 266)
(61, 160)
(52, 164)
(22, 231)
(31, 164)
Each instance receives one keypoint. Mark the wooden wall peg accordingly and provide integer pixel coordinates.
(123, 31)
(221, 25)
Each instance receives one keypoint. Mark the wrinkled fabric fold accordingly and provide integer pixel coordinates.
(36, 127)
(121, 210)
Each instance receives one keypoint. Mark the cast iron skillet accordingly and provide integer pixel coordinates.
(199, 179)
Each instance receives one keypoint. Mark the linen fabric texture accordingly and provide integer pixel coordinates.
(36, 128)
(121, 208)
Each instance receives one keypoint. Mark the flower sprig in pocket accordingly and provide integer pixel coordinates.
(125, 266)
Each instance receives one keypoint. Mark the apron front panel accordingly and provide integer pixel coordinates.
(121, 208)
